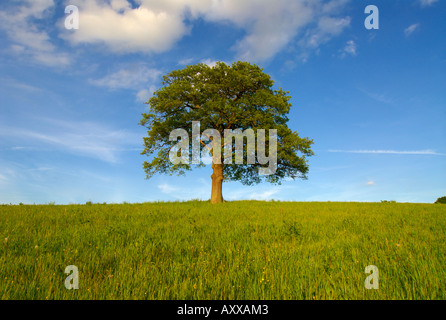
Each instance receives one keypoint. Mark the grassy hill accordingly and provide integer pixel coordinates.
(236, 250)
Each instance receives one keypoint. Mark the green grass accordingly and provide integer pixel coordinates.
(236, 250)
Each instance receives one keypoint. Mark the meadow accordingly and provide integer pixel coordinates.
(234, 250)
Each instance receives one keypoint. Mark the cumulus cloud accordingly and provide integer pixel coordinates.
(156, 25)
(123, 28)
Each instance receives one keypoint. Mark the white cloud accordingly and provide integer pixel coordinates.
(167, 188)
(125, 29)
(144, 94)
(156, 25)
(263, 195)
(426, 3)
(199, 189)
(270, 25)
(23, 27)
(370, 183)
(232, 192)
(380, 97)
(138, 78)
(186, 61)
(81, 138)
(128, 78)
(327, 28)
(409, 30)
(350, 48)
(210, 62)
(415, 152)
(12, 83)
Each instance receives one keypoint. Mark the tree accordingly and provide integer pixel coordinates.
(441, 200)
(236, 98)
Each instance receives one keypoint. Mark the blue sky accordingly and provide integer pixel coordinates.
(374, 101)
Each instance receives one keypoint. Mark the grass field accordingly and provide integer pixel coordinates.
(236, 250)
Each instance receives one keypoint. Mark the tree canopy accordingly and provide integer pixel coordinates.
(223, 97)
(441, 200)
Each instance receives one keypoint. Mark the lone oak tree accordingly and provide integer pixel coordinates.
(237, 96)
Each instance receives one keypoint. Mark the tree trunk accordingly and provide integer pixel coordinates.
(217, 182)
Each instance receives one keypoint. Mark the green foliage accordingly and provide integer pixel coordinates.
(441, 200)
(238, 250)
(240, 96)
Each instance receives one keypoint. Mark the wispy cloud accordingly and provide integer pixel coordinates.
(370, 183)
(131, 77)
(350, 48)
(415, 152)
(261, 192)
(380, 97)
(411, 29)
(29, 39)
(12, 83)
(147, 26)
(427, 3)
(167, 188)
(263, 195)
(198, 189)
(208, 61)
(138, 77)
(327, 28)
(81, 138)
